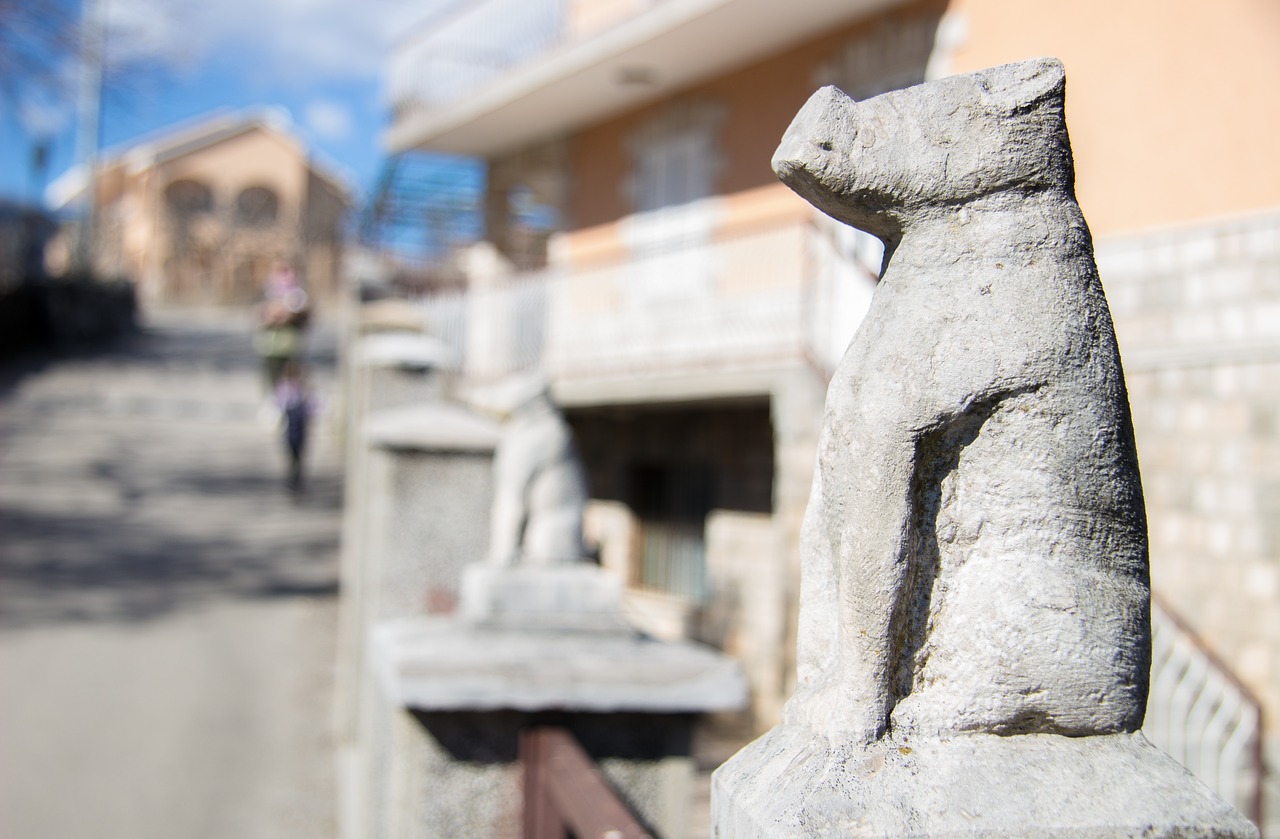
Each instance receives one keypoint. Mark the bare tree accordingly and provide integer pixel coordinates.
(38, 39)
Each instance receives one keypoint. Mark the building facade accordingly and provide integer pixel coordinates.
(199, 214)
(689, 309)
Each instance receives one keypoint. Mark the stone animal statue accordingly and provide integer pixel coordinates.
(974, 553)
(540, 491)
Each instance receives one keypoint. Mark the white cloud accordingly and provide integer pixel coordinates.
(43, 114)
(289, 40)
(329, 120)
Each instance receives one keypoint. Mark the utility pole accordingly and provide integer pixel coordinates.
(89, 110)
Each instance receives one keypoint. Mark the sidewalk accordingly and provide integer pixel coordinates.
(166, 608)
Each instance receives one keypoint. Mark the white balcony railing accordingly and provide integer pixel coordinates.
(779, 295)
(454, 57)
(755, 299)
(1202, 717)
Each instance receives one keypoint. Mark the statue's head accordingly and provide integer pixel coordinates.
(879, 163)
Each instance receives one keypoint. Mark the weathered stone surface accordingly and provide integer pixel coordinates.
(1033, 785)
(974, 640)
(427, 488)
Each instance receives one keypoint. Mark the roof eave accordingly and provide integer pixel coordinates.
(682, 43)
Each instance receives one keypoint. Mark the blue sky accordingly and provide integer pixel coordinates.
(175, 60)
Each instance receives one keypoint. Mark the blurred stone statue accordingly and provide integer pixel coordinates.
(539, 488)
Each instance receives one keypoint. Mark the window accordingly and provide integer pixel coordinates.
(188, 197)
(675, 163)
(257, 206)
(674, 170)
(672, 501)
(675, 157)
(894, 54)
(665, 470)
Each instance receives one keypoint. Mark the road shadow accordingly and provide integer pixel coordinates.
(76, 567)
(129, 507)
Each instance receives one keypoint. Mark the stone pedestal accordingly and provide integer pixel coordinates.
(442, 664)
(794, 783)
(531, 646)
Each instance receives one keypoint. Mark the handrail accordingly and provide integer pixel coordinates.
(563, 791)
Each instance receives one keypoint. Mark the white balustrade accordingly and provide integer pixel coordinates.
(1201, 716)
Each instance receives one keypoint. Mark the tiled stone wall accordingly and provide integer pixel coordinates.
(1197, 314)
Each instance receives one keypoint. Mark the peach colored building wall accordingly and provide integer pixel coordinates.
(228, 260)
(252, 159)
(759, 101)
(584, 18)
(1174, 115)
(1172, 104)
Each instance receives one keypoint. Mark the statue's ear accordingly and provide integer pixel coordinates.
(1012, 88)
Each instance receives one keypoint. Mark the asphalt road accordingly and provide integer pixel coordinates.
(167, 608)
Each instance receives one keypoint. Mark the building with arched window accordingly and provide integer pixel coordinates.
(198, 214)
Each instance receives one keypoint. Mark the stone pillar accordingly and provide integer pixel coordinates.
(425, 489)
(974, 634)
(384, 370)
(430, 482)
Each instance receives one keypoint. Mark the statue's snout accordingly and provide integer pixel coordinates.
(818, 132)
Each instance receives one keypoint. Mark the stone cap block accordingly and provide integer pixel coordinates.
(406, 351)
(443, 664)
(795, 783)
(438, 426)
(390, 316)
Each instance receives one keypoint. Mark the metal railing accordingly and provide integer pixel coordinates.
(563, 792)
(1202, 716)
(673, 558)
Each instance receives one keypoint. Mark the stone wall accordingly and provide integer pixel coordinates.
(1197, 314)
